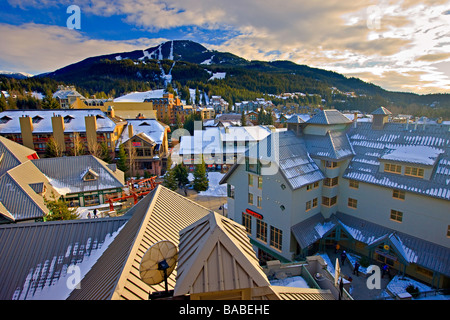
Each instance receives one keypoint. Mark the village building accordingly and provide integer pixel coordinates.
(379, 189)
(108, 252)
(86, 129)
(146, 143)
(67, 96)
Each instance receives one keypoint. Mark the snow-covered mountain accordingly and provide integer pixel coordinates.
(16, 75)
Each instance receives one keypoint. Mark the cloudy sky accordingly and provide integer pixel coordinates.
(399, 45)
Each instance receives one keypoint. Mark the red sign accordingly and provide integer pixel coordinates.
(136, 144)
(253, 213)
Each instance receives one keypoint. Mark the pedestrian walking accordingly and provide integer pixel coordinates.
(89, 215)
(385, 270)
(356, 269)
(95, 213)
(343, 257)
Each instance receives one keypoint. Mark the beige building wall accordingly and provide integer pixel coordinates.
(26, 127)
(131, 110)
(58, 132)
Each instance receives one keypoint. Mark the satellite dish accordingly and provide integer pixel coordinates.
(158, 263)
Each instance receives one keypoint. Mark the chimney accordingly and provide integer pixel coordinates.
(91, 130)
(130, 130)
(58, 131)
(26, 128)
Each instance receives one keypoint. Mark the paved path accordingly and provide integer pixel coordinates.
(360, 290)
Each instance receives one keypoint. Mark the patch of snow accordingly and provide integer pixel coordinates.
(215, 189)
(218, 75)
(296, 281)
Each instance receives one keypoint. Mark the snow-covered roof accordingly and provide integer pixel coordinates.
(329, 117)
(74, 120)
(425, 146)
(71, 181)
(140, 96)
(151, 128)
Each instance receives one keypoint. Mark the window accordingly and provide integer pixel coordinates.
(276, 237)
(330, 164)
(258, 201)
(314, 202)
(230, 191)
(250, 180)
(329, 202)
(260, 182)
(398, 194)
(250, 198)
(316, 184)
(247, 222)
(352, 203)
(414, 172)
(396, 215)
(308, 205)
(331, 182)
(393, 168)
(353, 184)
(261, 230)
(309, 187)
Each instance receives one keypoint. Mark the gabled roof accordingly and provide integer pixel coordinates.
(382, 110)
(13, 154)
(289, 152)
(151, 129)
(335, 145)
(71, 181)
(329, 117)
(35, 256)
(215, 255)
(425, 146)
(18, 194)
(76, 124)
(159, 216)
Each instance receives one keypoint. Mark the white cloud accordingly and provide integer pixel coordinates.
(364, 37)
(36, 48)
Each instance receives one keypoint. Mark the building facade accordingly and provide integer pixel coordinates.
(379, 189)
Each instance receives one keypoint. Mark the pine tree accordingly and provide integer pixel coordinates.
(243, 119)
(59, 210)
(104, 153)
(170, 180)
(181, 175)
(201, 182)
(122, 159)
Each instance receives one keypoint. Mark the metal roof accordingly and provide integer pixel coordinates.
(12, 154)
(382, 110)
(76, 123)
(18, 195)
(411, 249)
(209, 247)
(34, 256)
(425, 145)
(71, 181)
(334, 145)
(159, 216)
(331, 116)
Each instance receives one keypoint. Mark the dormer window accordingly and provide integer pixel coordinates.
(5, 119)
(414, 172)
(36, 119)
(90, 175)
(68, 118)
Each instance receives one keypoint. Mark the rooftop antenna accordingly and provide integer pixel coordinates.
(157, 264)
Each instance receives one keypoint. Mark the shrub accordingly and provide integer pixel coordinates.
(364, 262)
(413, 291)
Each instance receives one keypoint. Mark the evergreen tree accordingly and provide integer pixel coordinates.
(197, 96)
(49, 102)
(181, 175)
(201, 182)
(59, 210)
(243, 119)
(104, 153)
(170, 180)
(122, 159)
(3, 103)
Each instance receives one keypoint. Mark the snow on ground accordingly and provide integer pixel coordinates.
(215, 189)
(218, 75)
(83, 211)
(398, 285)
(296, 281)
